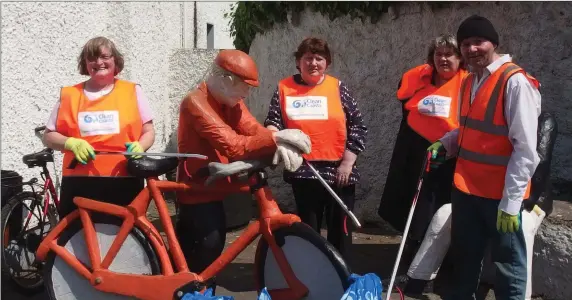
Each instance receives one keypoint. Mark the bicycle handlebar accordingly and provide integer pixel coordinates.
(215, 171)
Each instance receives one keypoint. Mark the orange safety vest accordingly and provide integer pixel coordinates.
(106, 123)
(432, 111)
(484, 146)
(318, 112)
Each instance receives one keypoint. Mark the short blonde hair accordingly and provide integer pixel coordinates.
(92, 50)
(444, 40)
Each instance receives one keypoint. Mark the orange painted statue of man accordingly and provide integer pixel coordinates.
(215, 122)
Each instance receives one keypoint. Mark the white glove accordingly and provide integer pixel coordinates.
(290, 155)
(220, 170)
(296, 138)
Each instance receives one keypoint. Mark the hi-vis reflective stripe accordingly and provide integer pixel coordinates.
(487, 125)
(483, 126)
(488, 159)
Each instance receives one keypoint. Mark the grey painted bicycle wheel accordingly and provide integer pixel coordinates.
(314, 261)
(136, 256)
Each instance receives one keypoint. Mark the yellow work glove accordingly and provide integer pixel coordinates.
(507, 223)
(437, 154)
(134, 147)
(82, 150)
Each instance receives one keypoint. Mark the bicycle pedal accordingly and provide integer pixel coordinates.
(193, 286)
(39, 265)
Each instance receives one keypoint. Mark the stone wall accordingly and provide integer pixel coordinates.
(370, 58)
(551, 275)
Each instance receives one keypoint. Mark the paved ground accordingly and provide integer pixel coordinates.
(375, 248)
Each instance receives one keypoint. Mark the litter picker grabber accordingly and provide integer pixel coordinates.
(181, 155)
(424, 170)
(331, 191)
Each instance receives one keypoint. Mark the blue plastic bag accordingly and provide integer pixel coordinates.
(264, 295)
(208, 295)
(366, 287)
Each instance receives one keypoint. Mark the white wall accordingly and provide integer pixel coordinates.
(40, 44)
(213, 13)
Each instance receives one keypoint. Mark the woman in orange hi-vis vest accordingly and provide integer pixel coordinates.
(323, 108)
(102, 113)
(429, 95)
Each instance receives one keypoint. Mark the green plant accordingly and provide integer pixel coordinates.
(246, 19)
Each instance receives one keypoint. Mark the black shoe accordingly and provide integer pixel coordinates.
(400, 282)
(418, 286)
(410, 286)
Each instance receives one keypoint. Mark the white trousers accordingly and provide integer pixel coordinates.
(437, 239)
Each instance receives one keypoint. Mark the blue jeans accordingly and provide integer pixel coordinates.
(473, 226)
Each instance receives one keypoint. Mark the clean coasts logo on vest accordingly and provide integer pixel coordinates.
(307, 107)
(98, 122)
(435, 106)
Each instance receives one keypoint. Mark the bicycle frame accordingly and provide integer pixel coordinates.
(160, 287)
(48, 189)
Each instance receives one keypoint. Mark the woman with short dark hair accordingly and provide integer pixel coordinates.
(322, 107)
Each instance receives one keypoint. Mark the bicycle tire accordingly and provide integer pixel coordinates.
(33, 286)
(76, 228)
(313, 259)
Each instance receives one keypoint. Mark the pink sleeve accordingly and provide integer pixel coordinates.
(143, 103)
(51, 124)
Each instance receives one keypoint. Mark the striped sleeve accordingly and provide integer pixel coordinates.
(356, 127)
(274, 116)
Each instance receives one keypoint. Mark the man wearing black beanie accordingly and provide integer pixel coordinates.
(496, 154)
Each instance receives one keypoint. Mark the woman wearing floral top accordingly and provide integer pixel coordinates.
(323, 108)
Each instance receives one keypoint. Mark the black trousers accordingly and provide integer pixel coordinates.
(435, 192)
(115, 190)
(201, 231)
(401, 184)
(313, 202)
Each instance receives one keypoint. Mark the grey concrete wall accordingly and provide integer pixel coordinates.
(187, 68)
(552, 263)
(370, 58)
(40, 44)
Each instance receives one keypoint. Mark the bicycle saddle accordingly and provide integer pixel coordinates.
(39, 159)
(151, 167)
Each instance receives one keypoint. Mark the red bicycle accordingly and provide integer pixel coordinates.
(27, 218)
(87, 258)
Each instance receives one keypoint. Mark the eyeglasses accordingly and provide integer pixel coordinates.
(103, 57)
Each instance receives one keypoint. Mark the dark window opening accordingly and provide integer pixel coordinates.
(210, 36)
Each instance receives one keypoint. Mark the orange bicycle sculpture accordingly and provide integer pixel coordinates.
(126, 257)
